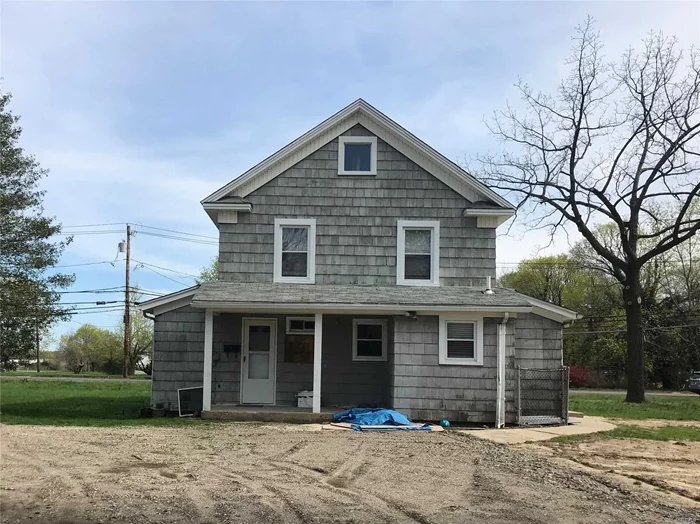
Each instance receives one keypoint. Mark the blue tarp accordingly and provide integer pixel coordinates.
(359, 417)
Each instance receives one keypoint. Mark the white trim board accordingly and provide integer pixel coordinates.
(360, 112)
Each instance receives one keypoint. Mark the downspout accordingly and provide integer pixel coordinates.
(501, 373)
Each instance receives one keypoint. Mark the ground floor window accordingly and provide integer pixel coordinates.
(461, 341)
(369, 339)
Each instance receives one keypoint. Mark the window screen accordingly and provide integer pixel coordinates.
(295, 251)
(358, 157)
(417, 254)
(460, 340)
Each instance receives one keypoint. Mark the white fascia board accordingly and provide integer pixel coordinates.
(480, 212)
(389, 309)
(224, 206)
(169, 302)
(363, 113)
(286, 150)
(553, 312)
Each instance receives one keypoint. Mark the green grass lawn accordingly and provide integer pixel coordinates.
(87, 403)
(90, 374)
(676, 433)
(660, 407)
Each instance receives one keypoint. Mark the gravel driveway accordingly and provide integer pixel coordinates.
(247, 473)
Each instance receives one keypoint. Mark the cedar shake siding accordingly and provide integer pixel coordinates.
(179, 361)
(356, 220)
(426, 390)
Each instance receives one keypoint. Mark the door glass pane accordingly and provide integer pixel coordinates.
(259, 365)
(294, 264)
(417, 267)
(295, 238)
(418, 241)
(259, 338)
(358, 157)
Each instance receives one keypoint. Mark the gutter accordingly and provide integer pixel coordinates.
(501, 373)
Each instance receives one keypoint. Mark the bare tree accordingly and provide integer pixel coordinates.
(615, 143)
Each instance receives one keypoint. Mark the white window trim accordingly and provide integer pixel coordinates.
(374, 322)
(478, 359)
(311, 253)
(401, 227)
(372, 140)
(290, 331)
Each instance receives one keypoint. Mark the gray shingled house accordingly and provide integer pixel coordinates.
(355, 262)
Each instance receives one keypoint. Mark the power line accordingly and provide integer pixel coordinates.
(660, 328)
(95, 225)
(174, 231)
(165, 268)
(172, 237)
(164, 276)
(87, 264)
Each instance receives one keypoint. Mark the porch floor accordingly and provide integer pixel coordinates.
(289, 414)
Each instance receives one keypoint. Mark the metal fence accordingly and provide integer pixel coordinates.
(542, 396)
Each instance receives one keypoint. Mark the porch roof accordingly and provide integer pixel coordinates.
(326, 294)
(256, 296)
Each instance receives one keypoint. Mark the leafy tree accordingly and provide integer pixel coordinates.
(616, 143)
(210, 272)
(29, 298)
(545, 278)
(89, 348)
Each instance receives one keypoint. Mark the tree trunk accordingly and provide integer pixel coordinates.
(636, 372)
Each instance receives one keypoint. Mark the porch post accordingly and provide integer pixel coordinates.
(318, 344)
(208, 341)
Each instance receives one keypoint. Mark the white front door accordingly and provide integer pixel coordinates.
(259, 361)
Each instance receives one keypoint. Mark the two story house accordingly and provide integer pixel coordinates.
(355, 262)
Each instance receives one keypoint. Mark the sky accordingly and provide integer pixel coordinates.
(140, 109)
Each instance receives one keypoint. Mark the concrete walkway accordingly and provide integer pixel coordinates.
(577, 426)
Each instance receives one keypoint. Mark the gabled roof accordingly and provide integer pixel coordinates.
(360, 112)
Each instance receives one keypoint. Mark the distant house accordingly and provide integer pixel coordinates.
(355, 262)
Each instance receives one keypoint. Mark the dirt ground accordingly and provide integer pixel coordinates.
(669, 465)
(245, 473)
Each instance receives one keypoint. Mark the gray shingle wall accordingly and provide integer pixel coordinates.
(179, 362)
(538, 342)
(426, 390)
(356, 222)
(344, 381)
(178, 354)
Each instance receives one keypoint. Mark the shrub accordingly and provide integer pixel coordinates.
(578, 376)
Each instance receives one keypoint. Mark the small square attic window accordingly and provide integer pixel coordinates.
(357, 155)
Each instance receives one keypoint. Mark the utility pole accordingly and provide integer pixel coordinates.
(127, 317)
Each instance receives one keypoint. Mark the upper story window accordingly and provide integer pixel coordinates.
(461, 340)
(295, 250)
(418, 253)
(357, 155)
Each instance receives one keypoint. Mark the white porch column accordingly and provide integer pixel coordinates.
(318, 344)
(501, 374)
(208, 343)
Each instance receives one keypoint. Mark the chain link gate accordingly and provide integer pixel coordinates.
(542, 396)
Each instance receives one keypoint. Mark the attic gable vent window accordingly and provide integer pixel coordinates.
(357, 155)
